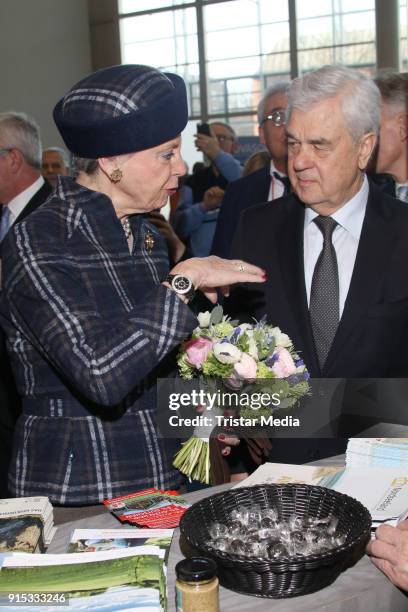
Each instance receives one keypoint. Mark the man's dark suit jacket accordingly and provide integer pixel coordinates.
(372, 337)
(239, 195)
(10, 404)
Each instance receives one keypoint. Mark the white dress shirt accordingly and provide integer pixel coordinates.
(404, 195)
(345, 239)
(277, 187)
(17, 204)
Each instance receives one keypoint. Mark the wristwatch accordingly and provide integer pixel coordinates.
(181, 285)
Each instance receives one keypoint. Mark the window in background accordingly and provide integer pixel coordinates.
(336, 32)
(166, 40)
(247, 45)
(135, 6)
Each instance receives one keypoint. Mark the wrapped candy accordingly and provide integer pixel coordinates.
(217, 530)
(256, 532)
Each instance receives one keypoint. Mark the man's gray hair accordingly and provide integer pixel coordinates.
(18, 131)
(360, 97)
(62, 152)
(278, 87)
(393, 88)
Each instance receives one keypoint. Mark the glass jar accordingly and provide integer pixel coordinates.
(197, 585)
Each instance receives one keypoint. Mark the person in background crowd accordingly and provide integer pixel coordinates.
(392, 154)
(266, 184)
(22, 190)
(55, 162)
(96, 313)
(196, 215)
(258, 160)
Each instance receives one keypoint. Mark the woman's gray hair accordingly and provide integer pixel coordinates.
(82, 164)
(279, 87)
(18, 131)
(360, 97)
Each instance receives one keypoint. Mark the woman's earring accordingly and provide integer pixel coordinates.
(116, 175)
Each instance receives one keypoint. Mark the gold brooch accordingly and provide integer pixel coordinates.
(149, 241)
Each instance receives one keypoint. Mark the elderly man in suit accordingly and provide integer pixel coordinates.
(263, 185)
(22, 190)
(334, 250)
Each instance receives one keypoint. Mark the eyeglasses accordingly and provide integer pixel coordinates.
(4, 151)
(278, 118)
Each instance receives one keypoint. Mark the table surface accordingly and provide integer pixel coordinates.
(361, 588)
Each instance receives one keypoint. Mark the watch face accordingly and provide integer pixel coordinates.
(181, 284)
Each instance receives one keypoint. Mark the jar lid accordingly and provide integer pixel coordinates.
(196, 569)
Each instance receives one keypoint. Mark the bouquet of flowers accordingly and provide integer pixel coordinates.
(239, 354)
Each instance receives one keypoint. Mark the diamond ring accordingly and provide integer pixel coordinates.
(241, 268)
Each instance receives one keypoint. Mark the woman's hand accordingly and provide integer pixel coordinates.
(210, 273)
(389, 552)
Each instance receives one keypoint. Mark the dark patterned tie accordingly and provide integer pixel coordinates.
(324, 294)
(285, 181)
(5, 222)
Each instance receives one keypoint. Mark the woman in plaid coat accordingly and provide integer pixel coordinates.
(90, 311)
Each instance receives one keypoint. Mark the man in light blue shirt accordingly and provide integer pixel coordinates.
(196, 215)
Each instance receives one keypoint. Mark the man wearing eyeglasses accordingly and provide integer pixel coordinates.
(263, 185)
(196, 215)
(22, 190)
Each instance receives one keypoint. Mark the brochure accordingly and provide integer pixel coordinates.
(383, 491)
(26, 524)
(121, 579)
(149, 508)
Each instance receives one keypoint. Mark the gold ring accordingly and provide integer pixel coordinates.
(241, 268)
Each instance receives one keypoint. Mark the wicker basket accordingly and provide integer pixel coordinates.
(292, 576)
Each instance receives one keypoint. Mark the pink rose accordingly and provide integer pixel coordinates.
(197, 351)
(284, 366)
(246, 367)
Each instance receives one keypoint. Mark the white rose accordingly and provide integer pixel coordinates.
(204, 318)
(281, 339)
(226, 352)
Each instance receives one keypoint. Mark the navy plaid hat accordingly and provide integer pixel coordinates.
(122, 109)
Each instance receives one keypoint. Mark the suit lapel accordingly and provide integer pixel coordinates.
(264, 185)
(38, 198)
(369, 269)
(290, 249)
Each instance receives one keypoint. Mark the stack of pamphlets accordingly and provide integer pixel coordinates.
(149, 508)
(384, 491)
(96, 540)
(128, 578)
(377, 452)
(26, 524)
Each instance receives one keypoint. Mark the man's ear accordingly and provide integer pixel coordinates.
(402, 121)
(366, 147)
(15, 160)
